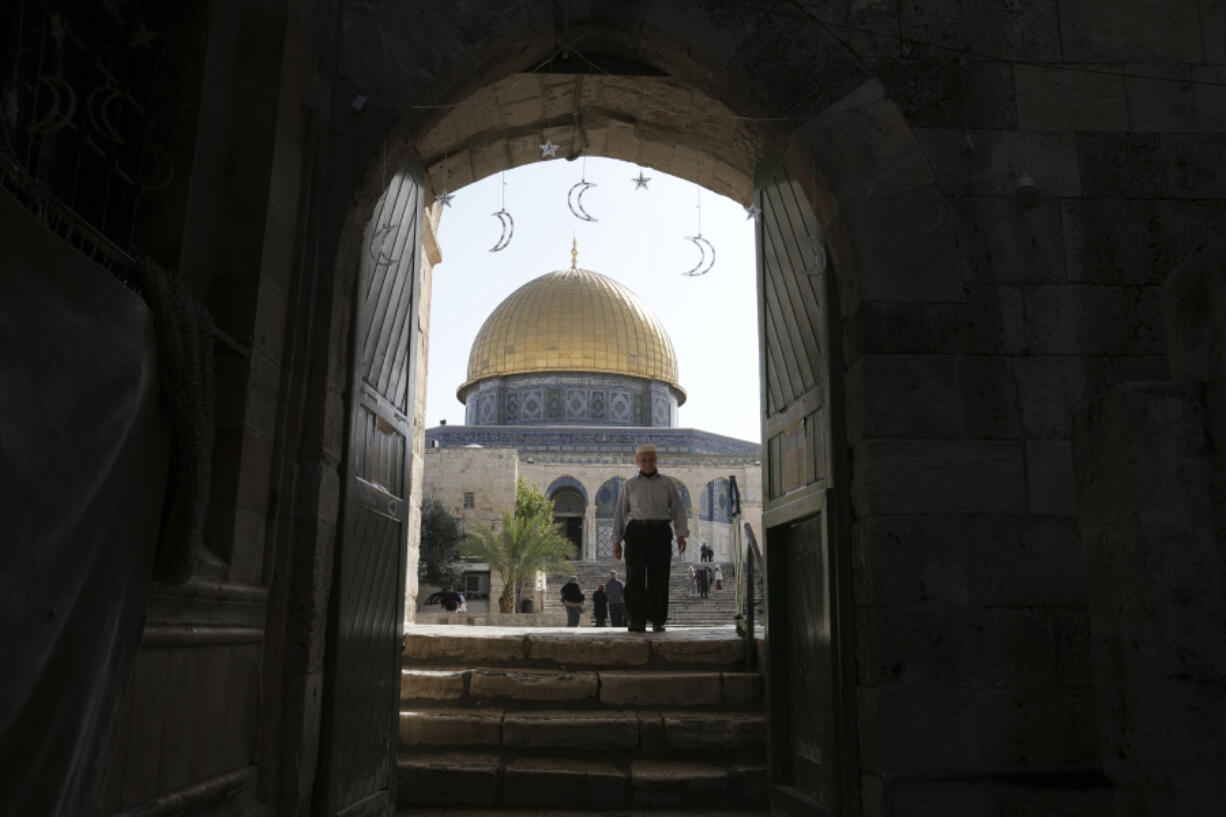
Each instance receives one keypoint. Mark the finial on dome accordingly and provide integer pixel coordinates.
(574, 252)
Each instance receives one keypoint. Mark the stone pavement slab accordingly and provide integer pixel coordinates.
(434, 685)
(596, 731)
(450, 727)
(532, 685)
(645, 688)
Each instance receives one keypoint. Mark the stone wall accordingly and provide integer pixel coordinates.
(489, 474)
(430, 256)
(1151, 466)
(1004, 186)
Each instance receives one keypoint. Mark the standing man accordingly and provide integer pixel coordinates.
(648, 503)
(617, 600)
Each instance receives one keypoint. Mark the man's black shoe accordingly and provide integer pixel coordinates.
(637, 628)
(657, 628)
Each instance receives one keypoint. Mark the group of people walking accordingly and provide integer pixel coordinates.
(649, 513)
(608, 601)
(702, 578)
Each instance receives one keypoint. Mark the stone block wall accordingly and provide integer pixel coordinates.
(489, 474)
(1004, 188)
(430, 256)
(1151, 469)
(1000, 232)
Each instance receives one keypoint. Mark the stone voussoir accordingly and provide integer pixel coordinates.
(532, 685)
(660, 688)
(590, 730)
(451, 727)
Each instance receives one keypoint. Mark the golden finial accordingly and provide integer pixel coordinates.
(574, 252)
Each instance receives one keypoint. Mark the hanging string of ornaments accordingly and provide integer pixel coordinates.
(574, 202)
(574, 198)
(704, 246)
(504, 220)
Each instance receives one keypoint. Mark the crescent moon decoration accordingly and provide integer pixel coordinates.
(165, 164)
(705, 263)
(55, 119)
(574, 200)
(101, 123)
(945, 216)
(378, 241)
(508, 229)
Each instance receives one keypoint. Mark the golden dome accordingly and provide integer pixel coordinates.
(573, 320)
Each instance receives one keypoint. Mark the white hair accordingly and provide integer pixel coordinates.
(645, 448)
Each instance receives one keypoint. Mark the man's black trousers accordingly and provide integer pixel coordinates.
(649, 550)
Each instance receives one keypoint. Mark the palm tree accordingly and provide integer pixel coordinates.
(522, 546)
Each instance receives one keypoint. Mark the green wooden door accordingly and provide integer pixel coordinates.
(810, 678)
(358, 746)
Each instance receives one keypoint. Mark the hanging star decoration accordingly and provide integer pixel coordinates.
(640, 181)
(753, 211)
(143, 35)
(446, 196)
(549, 150)
(58, 32)
(12, 105)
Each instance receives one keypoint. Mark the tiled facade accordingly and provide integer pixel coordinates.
(571, 398)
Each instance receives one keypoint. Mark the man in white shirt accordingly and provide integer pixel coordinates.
(649, 502)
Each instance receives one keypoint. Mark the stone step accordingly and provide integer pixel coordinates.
(606, 731)
(504, 812)
(570, 812)
(527, 688)
(589, 647)
(487, 779)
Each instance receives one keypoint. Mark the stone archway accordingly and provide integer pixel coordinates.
(826, 152)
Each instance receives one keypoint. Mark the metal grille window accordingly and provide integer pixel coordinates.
(84, 110)
(468, 499)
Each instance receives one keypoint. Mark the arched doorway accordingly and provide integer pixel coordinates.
(478, 136)
(715, 518)
(568, 511)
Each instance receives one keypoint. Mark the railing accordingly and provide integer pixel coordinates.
(746, 560)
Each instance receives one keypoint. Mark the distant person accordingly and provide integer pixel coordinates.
(600, 605)
(704, 553)
(704, 582)
(617, 600)
(450, 599)
(572, 598)
(649, 503)
(719, 577)
(693, 581)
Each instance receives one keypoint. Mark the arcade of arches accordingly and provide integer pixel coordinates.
(991, 300)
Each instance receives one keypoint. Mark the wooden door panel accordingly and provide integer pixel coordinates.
(809, 760)
(358, 752)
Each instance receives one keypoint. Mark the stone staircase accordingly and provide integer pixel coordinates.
(684, 610)
(581, 720)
